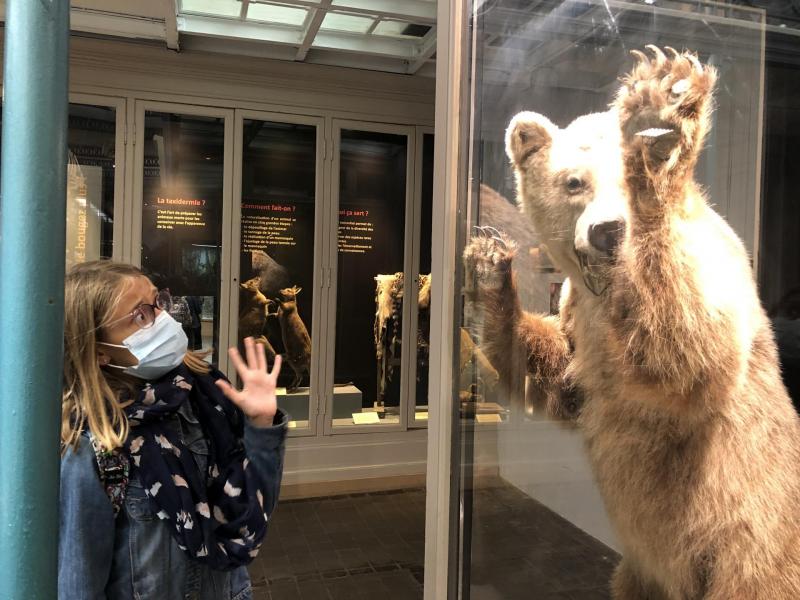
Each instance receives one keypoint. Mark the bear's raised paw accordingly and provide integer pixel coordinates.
(664, 105)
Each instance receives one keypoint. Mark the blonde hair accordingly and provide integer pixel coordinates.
(91, 397)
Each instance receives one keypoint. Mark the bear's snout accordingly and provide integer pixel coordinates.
(606, 236)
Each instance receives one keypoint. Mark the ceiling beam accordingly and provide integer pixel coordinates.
(115, 24)
(417, 11)
(373, 45)
(235, 29)
(318, 56)
(427, 49)
(171, 25)
(313, 22)
(277, 34)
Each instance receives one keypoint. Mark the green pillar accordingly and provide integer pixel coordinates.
(32, 241)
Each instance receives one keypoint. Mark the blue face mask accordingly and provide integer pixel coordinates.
(159, 348)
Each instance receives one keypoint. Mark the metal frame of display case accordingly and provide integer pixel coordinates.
(441, 503)
(411, 371)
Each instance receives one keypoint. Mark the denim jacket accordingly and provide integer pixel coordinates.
(134, 557)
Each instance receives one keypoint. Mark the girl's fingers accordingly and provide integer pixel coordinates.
(252, 361)
(261, 354)
(237, 361)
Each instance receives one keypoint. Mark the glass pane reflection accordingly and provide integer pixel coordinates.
(90, 182)
(424, 307)
(563, 59)
(182, 196)
(371, 245)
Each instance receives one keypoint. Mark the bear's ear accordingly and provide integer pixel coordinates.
(527, 134)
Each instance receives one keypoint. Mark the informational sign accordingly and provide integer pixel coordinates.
(179, 213)
(84, 198)
(268, 225)
(356, 231)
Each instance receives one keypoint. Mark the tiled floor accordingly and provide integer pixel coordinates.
(523, 550)
(364, 546)
(371, 546)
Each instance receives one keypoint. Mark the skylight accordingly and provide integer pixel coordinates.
(350, 23)
(271, 13)
(216, 8)
(390, 35)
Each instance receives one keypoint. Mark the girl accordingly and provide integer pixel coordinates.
(169, 474)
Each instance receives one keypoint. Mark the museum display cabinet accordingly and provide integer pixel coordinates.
(505, 459)
(259, 221)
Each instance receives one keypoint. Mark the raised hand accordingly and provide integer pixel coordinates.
(257, 398)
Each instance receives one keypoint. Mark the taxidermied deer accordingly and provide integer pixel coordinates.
(253, 313)
(296, 340)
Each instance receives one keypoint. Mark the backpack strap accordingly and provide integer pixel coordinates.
(113, 467)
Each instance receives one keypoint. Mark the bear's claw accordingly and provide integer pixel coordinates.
(662, 103)
(488, 257)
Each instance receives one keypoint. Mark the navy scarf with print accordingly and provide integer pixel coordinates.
(216, 517)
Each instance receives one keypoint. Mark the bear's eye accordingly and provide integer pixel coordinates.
(574, 184)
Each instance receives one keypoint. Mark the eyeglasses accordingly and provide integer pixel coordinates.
(144, 315)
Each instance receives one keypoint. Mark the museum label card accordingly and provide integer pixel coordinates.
(366, 418)
(488, 419)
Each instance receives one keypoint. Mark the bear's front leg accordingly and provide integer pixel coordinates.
(664, 108)
(515, 342)
(668, 322)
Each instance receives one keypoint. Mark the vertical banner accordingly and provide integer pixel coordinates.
(84, 199)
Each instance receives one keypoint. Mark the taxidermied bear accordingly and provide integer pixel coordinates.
(693, 440)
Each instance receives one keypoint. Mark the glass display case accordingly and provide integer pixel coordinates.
(535, 515)
(373, 178)
(277, 243)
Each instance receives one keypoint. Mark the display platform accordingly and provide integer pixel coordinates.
(346, 401)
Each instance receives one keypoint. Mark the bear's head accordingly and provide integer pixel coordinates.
(569, 182)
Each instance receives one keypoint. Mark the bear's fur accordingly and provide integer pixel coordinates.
(694, 442)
